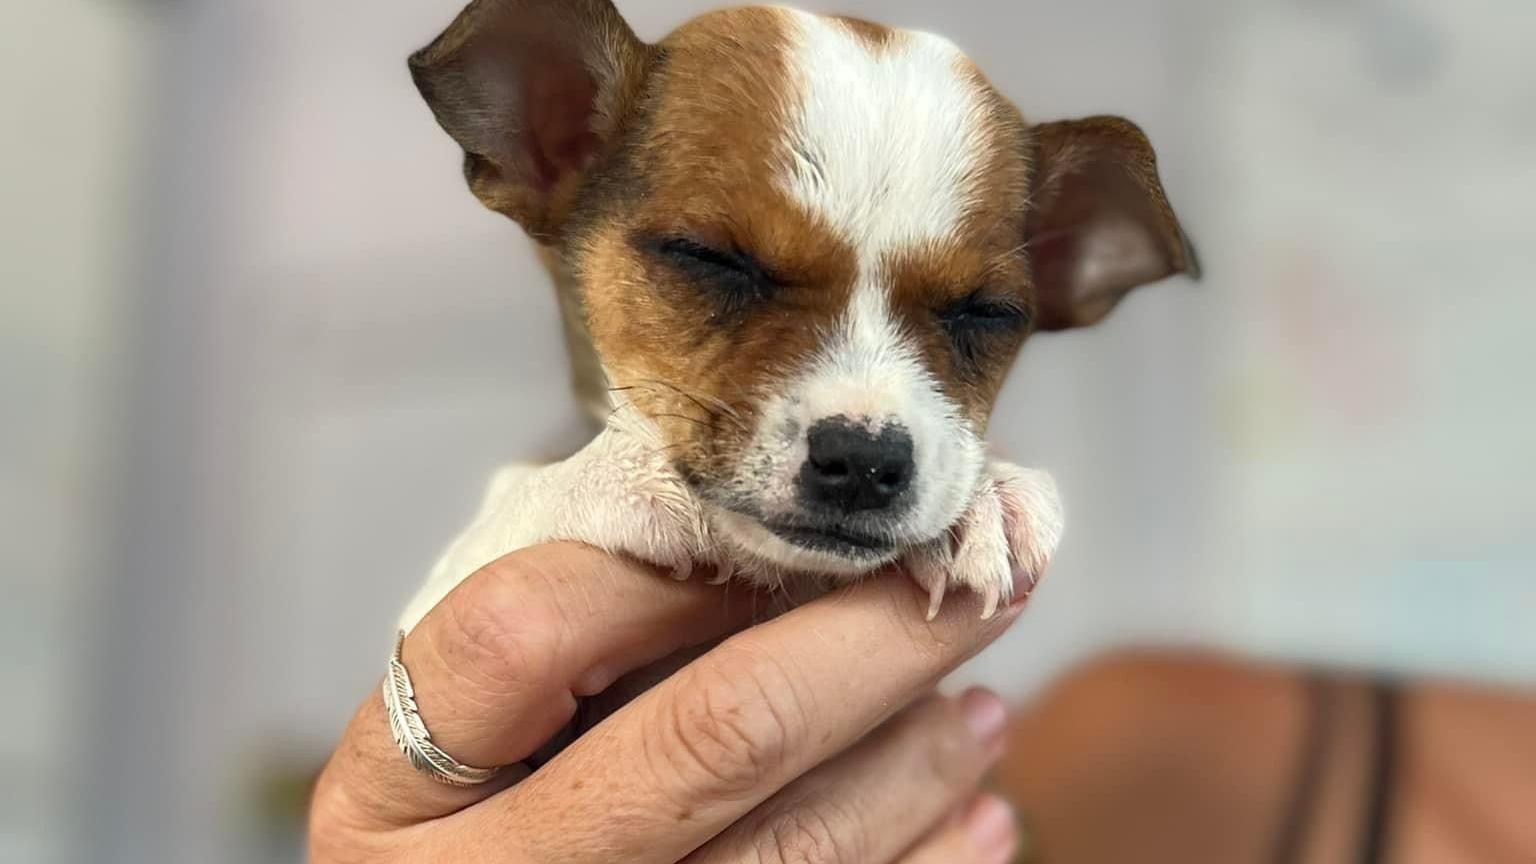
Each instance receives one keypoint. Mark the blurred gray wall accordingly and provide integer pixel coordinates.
(265, 349)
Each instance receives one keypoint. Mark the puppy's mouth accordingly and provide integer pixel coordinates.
(800, 542)
(832, 540)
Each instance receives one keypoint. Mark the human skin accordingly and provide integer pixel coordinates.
(815, 736)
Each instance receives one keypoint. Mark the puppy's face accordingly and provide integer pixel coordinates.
(809, 247)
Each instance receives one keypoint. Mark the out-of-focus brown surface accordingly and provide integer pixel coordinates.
(1182, 758)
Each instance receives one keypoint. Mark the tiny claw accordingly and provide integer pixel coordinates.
(682, 572)
(935, 598)
(989, 603)
(1029, 582)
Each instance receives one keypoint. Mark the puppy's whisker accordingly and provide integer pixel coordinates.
(740, 390)
(684, 417)
(666, 448)
(720, 405)
(665, 451)
(649, 387)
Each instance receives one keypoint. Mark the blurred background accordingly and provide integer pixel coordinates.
(260, 349)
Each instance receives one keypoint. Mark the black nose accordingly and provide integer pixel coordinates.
(850, 468)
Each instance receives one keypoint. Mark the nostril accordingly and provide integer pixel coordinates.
(891, 480)
(832, 469)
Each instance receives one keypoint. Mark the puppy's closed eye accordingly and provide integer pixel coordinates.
(734, 279)
(975, 321)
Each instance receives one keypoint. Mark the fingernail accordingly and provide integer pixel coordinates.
(986, 715)
(991, 829)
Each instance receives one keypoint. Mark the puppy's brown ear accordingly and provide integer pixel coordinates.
(532, 90)
(1099, 223)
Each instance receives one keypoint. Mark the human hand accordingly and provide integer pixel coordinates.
(811, 737)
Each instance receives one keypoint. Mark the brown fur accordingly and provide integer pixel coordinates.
(877, 35)
(707, 175)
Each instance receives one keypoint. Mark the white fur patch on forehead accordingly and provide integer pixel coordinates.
(884, 141)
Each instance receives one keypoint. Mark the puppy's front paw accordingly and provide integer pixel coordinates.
(643, 511)
(659, 521)
(1000, 546)
(669, 530)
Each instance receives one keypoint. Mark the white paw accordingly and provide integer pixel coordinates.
(617, 494)
(1012, 527)
(631, 507)
(622, 495)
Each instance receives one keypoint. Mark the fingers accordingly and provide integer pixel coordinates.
(878, 799)
(694, 754)
(984, 833)
(497, 667)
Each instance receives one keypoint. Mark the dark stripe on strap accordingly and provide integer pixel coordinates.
(1316, 742)
(1378, 816)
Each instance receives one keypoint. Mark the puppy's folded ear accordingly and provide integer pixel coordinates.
(1099, 223)
(532, 90)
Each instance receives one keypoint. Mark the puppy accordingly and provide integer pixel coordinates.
(803, 251)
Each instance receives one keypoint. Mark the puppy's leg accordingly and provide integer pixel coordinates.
(1012, 526)
(618, 494)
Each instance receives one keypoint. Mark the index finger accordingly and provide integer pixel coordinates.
(699, 751)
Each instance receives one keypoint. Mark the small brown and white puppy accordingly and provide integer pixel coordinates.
(806, 250)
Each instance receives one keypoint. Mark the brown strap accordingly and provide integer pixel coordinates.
(1317, 744)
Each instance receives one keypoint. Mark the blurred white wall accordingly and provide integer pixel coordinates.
(321, 345)
(74, 81)
(1376, 165)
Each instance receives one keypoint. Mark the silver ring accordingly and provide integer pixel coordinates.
(411, 734)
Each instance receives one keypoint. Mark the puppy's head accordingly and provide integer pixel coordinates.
(809, 247)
